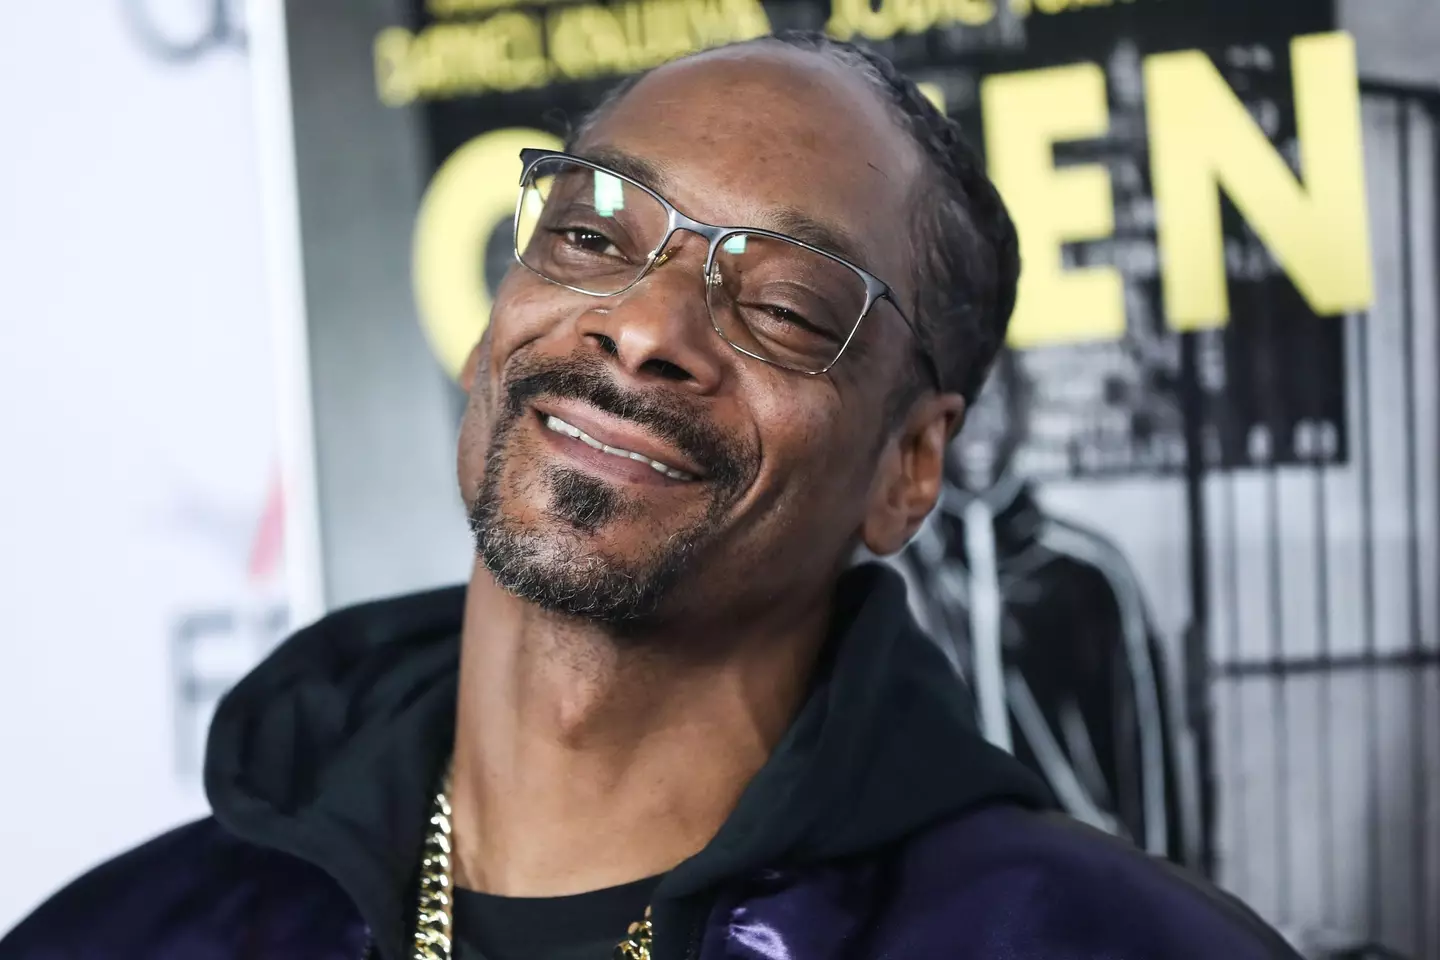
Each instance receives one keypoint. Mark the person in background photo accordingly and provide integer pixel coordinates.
(668, 718)
(1048, 623)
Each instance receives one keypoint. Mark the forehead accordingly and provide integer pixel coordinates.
(758, 137)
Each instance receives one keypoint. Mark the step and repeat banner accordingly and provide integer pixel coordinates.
(142, 556)
(1183, 555)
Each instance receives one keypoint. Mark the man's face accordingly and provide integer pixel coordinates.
(765, 476)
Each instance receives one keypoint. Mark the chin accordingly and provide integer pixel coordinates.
(588, 542)
(595, 563)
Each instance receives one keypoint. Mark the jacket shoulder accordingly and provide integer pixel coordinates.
(1071, 890)
(194, 892)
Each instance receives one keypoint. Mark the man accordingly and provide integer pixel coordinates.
(665, 719)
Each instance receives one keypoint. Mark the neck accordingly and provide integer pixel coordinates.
(582, 763)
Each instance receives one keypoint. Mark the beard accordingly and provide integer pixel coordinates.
(556, 564)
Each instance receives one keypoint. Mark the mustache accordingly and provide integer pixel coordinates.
(673, 418)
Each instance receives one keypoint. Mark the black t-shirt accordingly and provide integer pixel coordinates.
(585, 926)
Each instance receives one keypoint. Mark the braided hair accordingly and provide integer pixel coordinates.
(967, 259)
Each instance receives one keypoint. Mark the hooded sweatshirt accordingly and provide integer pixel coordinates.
(883, 824)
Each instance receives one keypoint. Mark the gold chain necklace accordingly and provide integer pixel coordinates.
(434, 914)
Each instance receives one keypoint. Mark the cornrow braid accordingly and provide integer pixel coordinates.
(967, 258)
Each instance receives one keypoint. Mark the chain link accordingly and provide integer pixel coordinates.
(435, 906)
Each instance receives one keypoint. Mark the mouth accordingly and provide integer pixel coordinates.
(613, 447)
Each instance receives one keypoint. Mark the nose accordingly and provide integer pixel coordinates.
(660, 328)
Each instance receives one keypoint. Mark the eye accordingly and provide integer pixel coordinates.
(777, 315)
(584, 238)
(786, 315)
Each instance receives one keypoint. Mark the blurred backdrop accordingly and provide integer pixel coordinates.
(1187, 559)
(137, 422)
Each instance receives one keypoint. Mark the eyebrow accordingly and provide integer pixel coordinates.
(818, 233)
(790, 221)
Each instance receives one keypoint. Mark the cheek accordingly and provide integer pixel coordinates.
(474, 441)
(823, 477)
(478, 420)
(526, 309)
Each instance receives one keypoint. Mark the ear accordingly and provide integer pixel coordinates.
(911, 472)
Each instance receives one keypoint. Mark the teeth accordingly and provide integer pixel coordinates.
(560, 426)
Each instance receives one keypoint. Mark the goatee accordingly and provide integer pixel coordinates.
(557, 565)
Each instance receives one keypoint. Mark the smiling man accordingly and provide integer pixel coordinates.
(667, 718)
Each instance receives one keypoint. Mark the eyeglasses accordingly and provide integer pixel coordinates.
(772, 297)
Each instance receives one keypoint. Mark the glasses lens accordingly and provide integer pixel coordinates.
(586, 228)
(783, 302)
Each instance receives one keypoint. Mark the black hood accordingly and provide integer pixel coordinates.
(330, 750)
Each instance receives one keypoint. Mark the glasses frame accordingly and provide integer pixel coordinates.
(875, 288)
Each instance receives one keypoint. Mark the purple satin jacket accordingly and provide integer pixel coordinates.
(1001, 884)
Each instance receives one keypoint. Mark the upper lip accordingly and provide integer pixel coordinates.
(615, 432)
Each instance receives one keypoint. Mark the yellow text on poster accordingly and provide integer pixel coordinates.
(884, 19)
(516, 49)
(1025, 114)
(851, 18)
(1203, 140)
